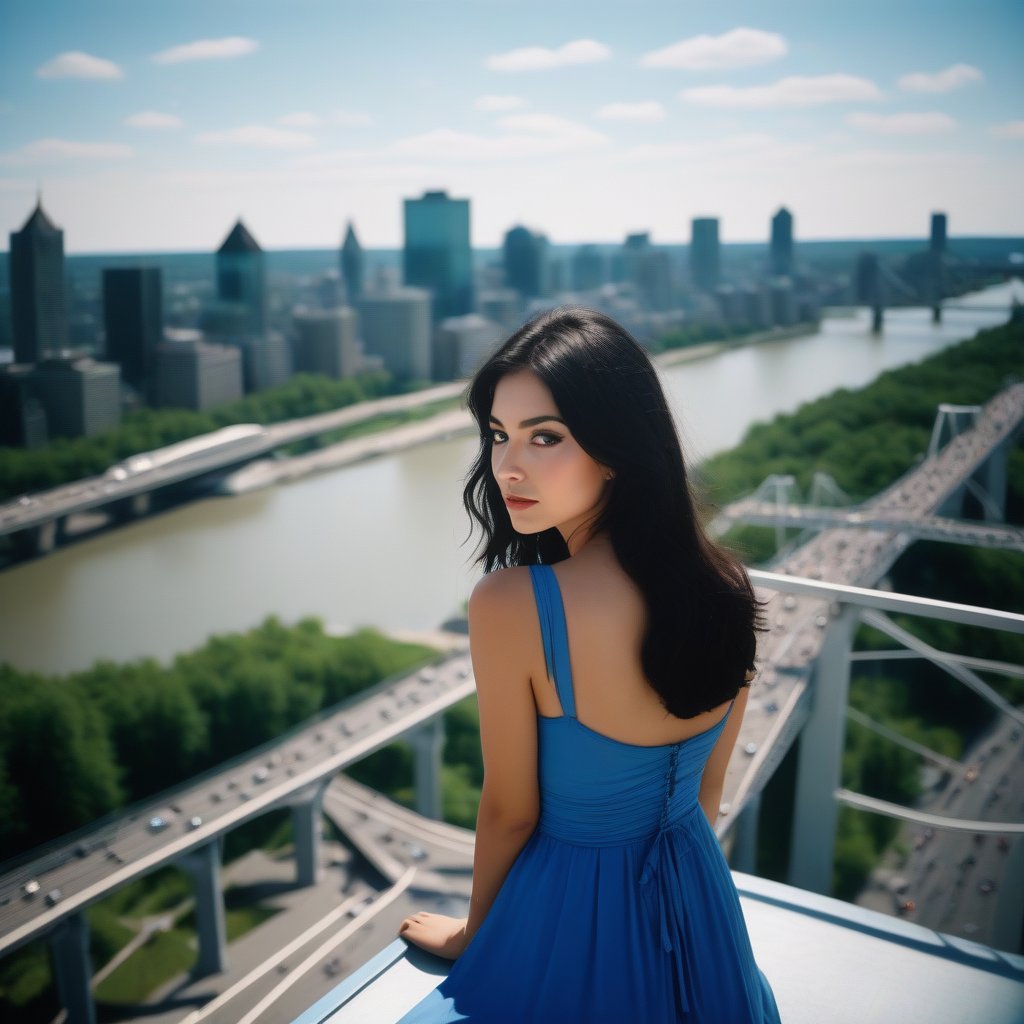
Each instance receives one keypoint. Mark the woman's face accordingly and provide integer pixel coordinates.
(546, 479)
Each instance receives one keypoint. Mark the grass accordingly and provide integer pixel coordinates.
(163, 957)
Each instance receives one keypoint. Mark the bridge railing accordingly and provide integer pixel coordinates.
(818, 788)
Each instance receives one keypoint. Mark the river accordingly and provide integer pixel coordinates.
(380, 543)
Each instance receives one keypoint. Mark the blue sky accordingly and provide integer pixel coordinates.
(152, 126)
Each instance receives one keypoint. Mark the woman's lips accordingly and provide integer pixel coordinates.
(518, 504)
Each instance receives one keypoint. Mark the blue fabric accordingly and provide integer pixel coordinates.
(620, 907)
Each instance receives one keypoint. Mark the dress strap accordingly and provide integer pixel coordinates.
(553, 633)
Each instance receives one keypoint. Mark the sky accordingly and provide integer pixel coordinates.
(151, 126)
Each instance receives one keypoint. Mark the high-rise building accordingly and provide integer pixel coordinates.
(649, 270)
(589, 268)
(241, 277)
(80, 396)
(324, 342)
(704, 257)
(437, 253)
(938, 235)
(463, 343)
(352, 264)
(191, 374)
(22, 417)
(134, 320)
(395, 326)
(38, 310)
(781, 252)
(525, 257)
(504, 306)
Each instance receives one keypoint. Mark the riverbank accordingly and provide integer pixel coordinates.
(445, 425)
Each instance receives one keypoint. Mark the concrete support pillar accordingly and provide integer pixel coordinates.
(744, 849)
(69, 954)
(815, 812)
(427, 745)
(132, 507)
(937, 313)
(307, 813)
(203, 864)
(992, 478)
(877, 319)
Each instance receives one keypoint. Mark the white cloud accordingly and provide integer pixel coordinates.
(349, 117)
(540, 58)
(525, 135)
(943, 81)
(207, 49)
(647, 112)
(300, 119)
(153, 119)
(75, 64)
(794, 91)
(258, 137)
(44, 150)
(739, 48)
(498, 103)
(1009, 130)
(902, 124)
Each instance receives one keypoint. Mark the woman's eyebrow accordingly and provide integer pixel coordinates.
(531, 422)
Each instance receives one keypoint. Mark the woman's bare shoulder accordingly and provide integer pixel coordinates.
(501, 592)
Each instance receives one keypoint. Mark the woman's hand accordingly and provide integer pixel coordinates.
(436, 933)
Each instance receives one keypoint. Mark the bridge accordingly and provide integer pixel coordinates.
(815, 598)
(38, 522)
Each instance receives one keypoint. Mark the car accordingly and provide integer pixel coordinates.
(417, 852)
(750, 748)
(986, 886)
(81, 850)
(30, 888)
(426, 675)
(156, 823)
(906, 907)
(972, 773)
(53, 897)
(260, 775)
(789, 602)
(194, 822)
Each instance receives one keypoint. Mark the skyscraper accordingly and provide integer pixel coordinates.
(704, 259)
(241, 277)
(395, 325)
(938, 236)
(525, 259)
(324, 341)
(781, 256)
(437, 252)
(134, 320)
(649, 270)
(38, 312)
(352, 264)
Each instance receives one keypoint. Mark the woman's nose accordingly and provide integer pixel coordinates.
(506, 465)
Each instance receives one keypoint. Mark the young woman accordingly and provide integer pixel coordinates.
(611, 643)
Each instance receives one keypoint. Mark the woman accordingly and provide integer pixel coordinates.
(612, 643)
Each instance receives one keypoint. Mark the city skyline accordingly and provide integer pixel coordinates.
(152, 130)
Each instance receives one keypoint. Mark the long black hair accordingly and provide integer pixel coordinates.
(702, 615)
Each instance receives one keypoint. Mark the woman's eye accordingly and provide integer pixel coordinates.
(546, 440)
(498, 437)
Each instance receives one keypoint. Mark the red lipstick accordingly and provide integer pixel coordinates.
(517, 504)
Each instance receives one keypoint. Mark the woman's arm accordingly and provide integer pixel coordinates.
(502, 632)
(713, 780)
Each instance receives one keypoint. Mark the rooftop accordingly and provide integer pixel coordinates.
(826, 961)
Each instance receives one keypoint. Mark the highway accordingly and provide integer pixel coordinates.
(86, 866)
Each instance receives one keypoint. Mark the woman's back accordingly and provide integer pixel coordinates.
(605, 622)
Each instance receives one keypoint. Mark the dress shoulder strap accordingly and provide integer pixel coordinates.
(553, 633)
